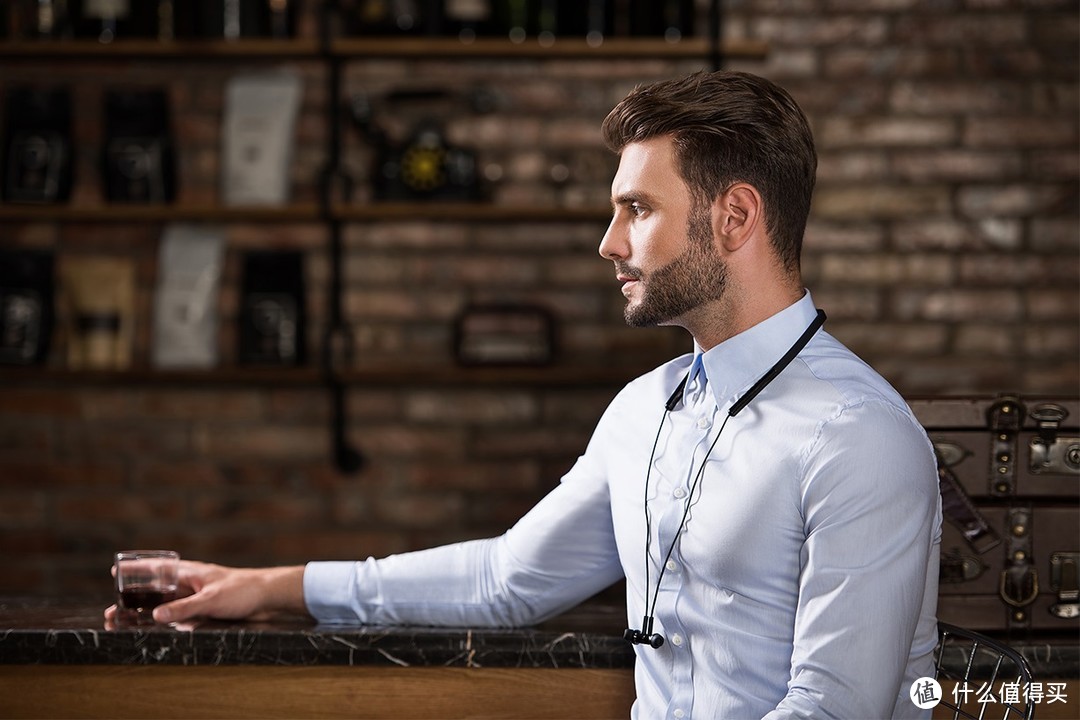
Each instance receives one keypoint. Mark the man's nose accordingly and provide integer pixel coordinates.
(613, 245)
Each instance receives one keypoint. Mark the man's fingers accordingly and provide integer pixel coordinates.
(194, 575)
(177, 610)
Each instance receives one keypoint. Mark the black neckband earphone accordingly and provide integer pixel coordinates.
(646, 636)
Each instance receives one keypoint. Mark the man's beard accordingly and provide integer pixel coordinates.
(696, 277)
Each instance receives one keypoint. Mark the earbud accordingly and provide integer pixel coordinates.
(644, 637)
(636, 637)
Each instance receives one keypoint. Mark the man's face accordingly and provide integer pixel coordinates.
(660, 239)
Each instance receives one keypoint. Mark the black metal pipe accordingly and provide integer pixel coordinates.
(716, 35)
(337, 341)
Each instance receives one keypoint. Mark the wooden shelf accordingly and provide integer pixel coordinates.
(339, 50)
(180, 49)
(467, 212)
(554, 376)
(254, 376)
(335, 54)
(157, 213)
(375, 47)
(563, 48)
(454, 375)
(374, 212)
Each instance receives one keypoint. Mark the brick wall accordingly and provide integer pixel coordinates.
(943, 244)
(944, 233)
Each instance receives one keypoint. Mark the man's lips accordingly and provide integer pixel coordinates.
(628, 281)
(629, 277)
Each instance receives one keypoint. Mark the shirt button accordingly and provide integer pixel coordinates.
(676, 640)
(679, 492)
(672, 565)
(679, 713)
(703, 422)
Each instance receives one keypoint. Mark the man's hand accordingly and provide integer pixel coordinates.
(224, 593)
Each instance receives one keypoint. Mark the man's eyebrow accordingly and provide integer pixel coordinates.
(631, 197)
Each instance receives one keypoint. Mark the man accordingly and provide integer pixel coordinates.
(770, 500)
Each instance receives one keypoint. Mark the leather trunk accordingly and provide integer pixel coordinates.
(1009, 469)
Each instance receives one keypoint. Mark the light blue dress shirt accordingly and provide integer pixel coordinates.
(803, 582)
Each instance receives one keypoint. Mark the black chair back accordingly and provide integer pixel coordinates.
(981, 678)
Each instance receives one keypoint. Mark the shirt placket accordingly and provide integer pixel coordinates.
(689, 444)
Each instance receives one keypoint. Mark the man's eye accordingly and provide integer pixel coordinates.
(637, 210)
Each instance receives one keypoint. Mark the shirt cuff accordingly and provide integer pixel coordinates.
(328, 591)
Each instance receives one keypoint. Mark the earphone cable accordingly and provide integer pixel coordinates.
(682, 521)
(648, 515)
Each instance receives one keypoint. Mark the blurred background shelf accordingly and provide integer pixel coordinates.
(531, 48)
(553, 376)
(151, 48)
(376, 47)
(360, 212)
(157, 213)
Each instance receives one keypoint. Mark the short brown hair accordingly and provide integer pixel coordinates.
(730, 127)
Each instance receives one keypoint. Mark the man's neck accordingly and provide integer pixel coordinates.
(715, 322)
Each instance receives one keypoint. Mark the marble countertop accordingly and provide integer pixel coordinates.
(45, 631)
(39, 631)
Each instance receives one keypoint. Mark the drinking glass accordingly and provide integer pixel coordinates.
(144, 580)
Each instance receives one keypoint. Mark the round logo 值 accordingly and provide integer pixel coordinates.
(925, 693)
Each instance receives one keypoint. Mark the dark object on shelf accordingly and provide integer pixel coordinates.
(548, 20)
(233, 19)
(466, 19)
(138, 155)
(26, 306)
(504, 334)
(600, 20)
(670, 19)
(1008, 468)
(109, 20)
(283, 17)
(390, 17)
(554, 19)
(272, 312)
(35, 19)
(595, 20)
(516, 19)
(37, 145)
(424, 166)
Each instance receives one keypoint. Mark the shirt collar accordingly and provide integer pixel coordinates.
(696, 377)
(736, 364)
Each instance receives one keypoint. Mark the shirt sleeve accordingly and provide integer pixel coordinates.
(560, 553)
(871, 510)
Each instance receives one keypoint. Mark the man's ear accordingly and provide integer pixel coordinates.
(736, 215)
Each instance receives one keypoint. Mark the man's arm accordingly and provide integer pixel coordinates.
(560, 553)
(871, 514)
